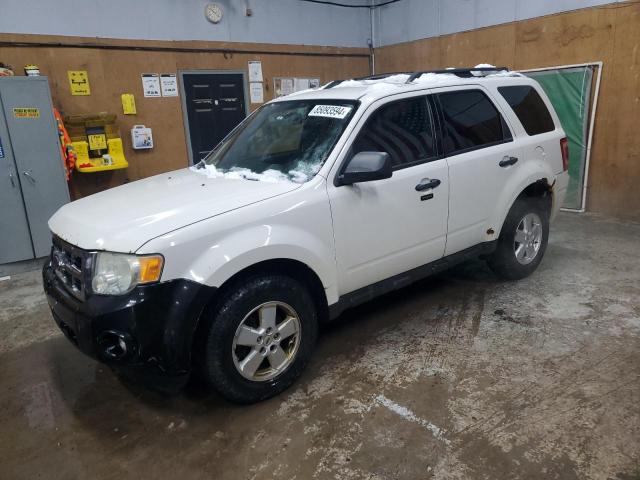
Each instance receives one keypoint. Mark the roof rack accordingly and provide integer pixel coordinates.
(380, 76)
(332, 84)
(460, 72)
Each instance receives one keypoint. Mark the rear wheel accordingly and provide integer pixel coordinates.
(523, 239)
(259, 339)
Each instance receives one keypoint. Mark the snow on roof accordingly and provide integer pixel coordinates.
(356, 89)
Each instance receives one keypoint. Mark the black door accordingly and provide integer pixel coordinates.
(215, 105)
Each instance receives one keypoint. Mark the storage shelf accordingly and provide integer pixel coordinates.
(102, 168)
(85, 164)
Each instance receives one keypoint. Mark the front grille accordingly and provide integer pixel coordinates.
(72, 266)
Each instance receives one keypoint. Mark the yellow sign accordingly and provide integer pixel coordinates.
(26, 112)
(79, 82)
(128, 104)
(97, 142)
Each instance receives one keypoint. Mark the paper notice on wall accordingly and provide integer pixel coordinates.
(256, 92)
(255, 71)
(128, 104)
(286, 86)
(151, 84)
(301, 84)
(169, 85)
(79, 82)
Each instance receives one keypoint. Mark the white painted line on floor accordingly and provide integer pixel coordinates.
(407, 414)
(4, 279)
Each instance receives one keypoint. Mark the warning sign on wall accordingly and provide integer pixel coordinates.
(26, 112)
(79, 82)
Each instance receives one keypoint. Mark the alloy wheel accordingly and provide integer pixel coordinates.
(266, 341)
(528, 238)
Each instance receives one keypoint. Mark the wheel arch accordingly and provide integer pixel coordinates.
(534, 186)
(285, 266)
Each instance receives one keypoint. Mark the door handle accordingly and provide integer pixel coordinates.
(13, 183)
(28, 175)
(426, 184)
(507, 161)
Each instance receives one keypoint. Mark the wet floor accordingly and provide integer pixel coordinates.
(460, 376)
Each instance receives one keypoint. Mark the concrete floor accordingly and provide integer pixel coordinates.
(459, 376)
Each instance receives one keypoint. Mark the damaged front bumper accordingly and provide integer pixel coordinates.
(147, 334)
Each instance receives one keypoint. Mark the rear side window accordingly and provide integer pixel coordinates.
(403, 129)
(470, 121)
(529, 107)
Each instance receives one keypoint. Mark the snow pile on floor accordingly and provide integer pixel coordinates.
(269, 176)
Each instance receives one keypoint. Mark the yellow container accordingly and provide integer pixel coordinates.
(85, 164)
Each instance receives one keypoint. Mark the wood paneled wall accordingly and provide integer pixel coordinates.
(610, 34)
(113, 72)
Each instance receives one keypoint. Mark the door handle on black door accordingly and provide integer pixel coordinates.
(426, 184)
(507, 161)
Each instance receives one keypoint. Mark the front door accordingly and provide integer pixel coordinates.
(387, 227)
(214, 104)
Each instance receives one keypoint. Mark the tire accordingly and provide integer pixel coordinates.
(231, 338)
(507, 261)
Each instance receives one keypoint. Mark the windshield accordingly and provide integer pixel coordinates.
(281, 141)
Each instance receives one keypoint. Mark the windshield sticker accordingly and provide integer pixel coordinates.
(330, 111)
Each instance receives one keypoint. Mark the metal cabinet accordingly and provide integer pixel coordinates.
(32, 178)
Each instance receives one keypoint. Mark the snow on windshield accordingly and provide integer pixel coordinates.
(281, 142)
(269, 176)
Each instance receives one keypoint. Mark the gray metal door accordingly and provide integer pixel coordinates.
(28, 112)
(15, 239)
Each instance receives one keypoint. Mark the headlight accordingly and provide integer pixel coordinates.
(119, 273)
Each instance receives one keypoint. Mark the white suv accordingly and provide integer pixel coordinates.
(317, 202)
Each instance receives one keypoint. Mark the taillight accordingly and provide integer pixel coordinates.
(564, 148)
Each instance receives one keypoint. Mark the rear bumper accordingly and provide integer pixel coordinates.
(147, 334)
(559, 192)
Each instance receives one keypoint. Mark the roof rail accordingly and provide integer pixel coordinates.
(380, 76)
(332, 84)
(460, 72)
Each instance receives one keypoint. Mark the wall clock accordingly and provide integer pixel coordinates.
(213, 12)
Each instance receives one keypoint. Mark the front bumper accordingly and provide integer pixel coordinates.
(147, 334)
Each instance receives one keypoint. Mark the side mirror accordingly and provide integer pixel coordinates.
(366, 167)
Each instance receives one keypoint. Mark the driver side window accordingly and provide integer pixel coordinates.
(403, 129)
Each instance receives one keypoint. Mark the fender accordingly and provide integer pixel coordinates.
(212, 251)
(266, 242)
(530, 172)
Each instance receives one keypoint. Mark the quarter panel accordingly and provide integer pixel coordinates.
(530, 172)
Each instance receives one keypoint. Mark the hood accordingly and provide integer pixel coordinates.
(122, 219)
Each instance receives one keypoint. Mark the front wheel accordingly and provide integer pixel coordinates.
(523, 240)
(259, 339)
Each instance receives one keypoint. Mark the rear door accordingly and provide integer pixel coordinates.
(214, 104)
(481, 156)
(384, 228)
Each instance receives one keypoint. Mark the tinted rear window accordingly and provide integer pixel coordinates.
(471, 121)
(529, 108)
